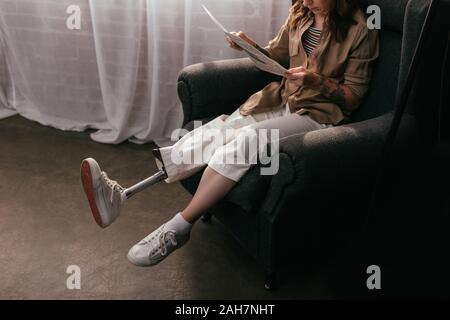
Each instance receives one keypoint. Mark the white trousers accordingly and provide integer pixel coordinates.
(230, 145)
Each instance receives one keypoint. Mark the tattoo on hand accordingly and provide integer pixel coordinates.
(332, 90)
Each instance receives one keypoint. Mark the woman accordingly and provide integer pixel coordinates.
(329, 49)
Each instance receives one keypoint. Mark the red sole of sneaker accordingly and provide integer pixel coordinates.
(88, 186)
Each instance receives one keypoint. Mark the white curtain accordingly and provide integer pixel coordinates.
(118, 72)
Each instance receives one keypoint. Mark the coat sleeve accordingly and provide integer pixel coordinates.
(278, 48)
(364, 52)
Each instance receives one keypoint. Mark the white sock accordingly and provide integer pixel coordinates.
(178, 224)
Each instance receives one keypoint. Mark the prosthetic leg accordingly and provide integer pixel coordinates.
(144, 184)
(106, 197)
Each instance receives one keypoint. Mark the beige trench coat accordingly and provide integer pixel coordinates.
(348, 62)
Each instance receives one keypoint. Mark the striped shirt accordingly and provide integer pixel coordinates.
(311, 39)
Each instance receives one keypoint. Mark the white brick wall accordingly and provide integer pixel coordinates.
(64, 61)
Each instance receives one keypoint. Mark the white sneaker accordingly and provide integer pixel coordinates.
(156, 247)
(105, 196)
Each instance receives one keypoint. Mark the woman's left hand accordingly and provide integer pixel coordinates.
(298, 77)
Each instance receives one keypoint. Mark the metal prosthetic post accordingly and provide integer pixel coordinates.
(144, 184)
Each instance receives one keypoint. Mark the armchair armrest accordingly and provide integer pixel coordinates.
(220, 87)
(339, 159)
(338, 155)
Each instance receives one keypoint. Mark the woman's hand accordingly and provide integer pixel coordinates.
(243, 36)
(299, 77)
(329, 88)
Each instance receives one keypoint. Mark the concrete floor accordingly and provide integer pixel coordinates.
(46, 226)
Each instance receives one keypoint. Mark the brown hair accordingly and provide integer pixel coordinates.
(339, 19)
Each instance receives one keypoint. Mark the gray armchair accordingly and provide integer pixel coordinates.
(325, 176)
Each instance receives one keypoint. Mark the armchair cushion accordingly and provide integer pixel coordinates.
(220, 87)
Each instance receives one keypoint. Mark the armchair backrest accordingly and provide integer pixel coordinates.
(401, 23)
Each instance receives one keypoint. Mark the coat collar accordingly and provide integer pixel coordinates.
(297, 35)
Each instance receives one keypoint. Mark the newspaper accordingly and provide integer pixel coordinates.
(261, 61)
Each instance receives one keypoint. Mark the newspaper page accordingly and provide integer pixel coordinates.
(261, 61)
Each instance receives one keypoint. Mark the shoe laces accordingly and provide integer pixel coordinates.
(114, 185)
(164, 238)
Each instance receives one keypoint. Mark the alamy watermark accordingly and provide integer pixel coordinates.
(73, 22)
(243, 147)
(374, 20)
(374, 280)
(73, 282)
